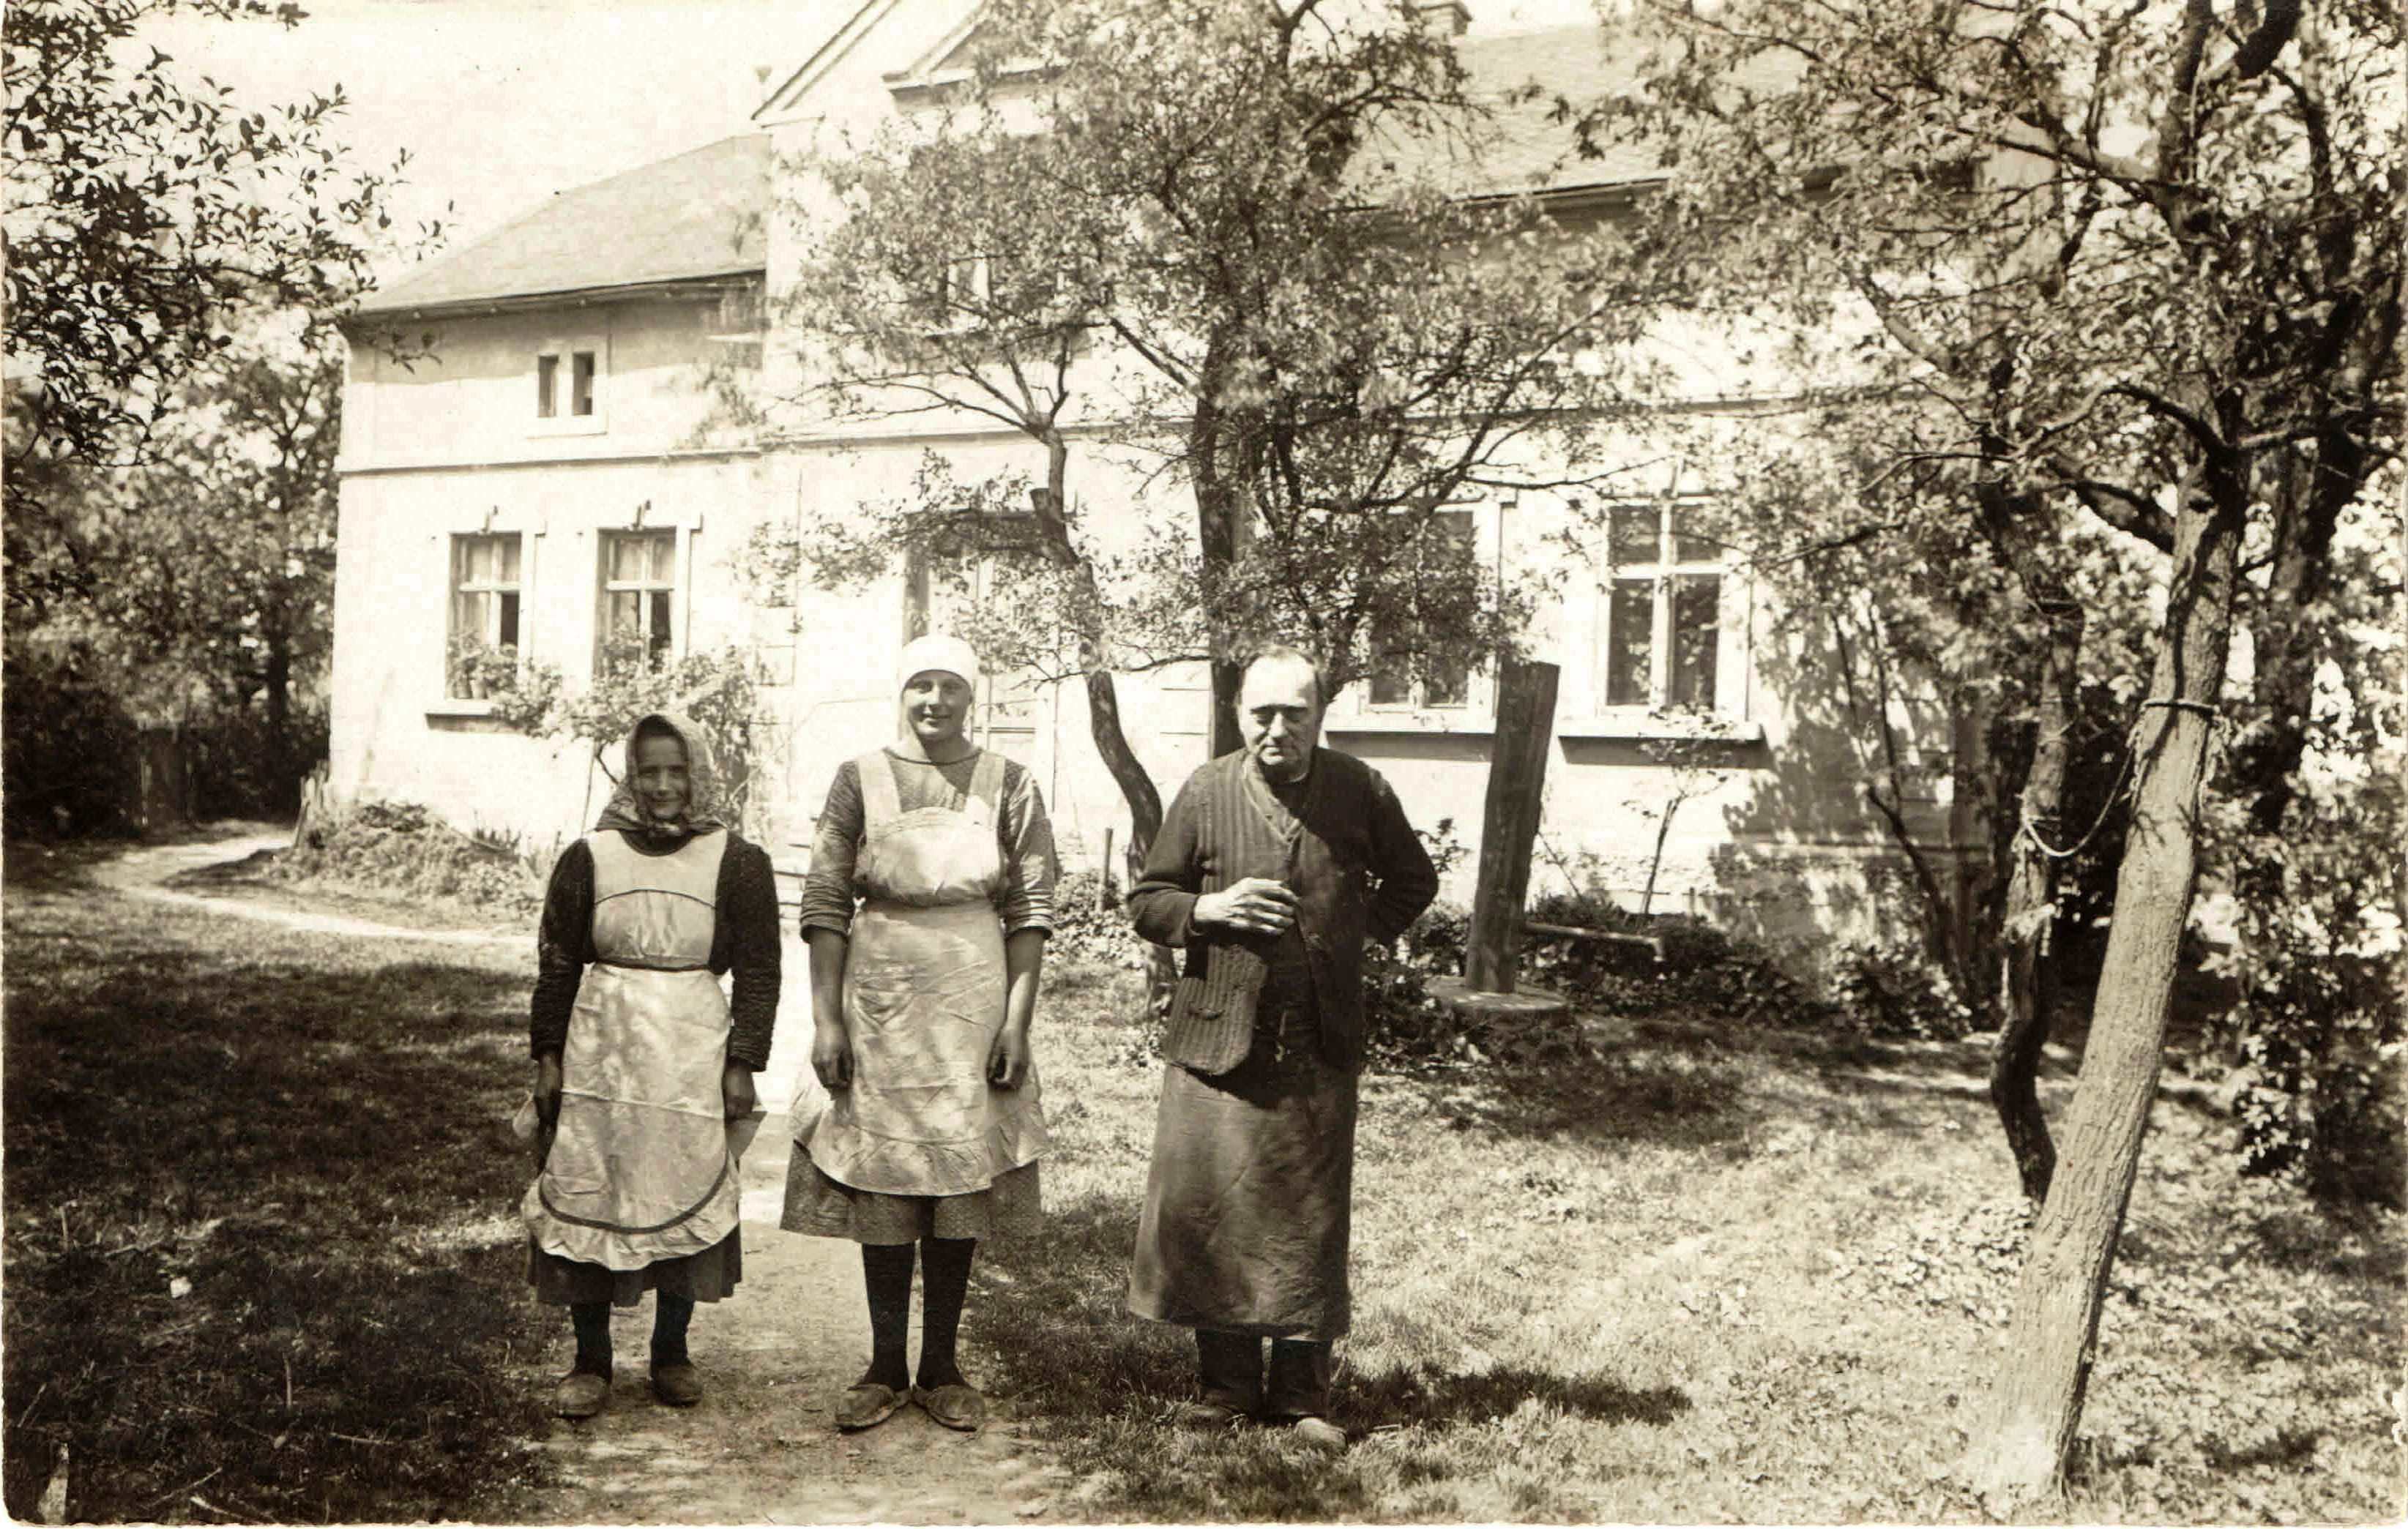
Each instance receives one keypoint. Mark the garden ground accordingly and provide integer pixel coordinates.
(261, 1264)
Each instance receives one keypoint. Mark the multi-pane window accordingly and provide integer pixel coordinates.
(639, 594)
(1661, 631)
(580, 369)
(1404, 678)
(484, 610)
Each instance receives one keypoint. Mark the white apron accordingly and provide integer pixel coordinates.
(640, 1168)
(923, 1000)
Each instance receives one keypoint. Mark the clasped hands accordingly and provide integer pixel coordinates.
(735, 1090)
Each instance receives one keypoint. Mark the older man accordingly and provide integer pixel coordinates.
(1275, 865)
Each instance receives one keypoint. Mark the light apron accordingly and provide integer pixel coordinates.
(923, 1001)
(640, 1168)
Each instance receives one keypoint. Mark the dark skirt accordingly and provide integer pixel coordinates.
(711, 1275)
(1247, 1201)
(820, 1207)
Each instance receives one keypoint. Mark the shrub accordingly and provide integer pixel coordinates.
(1890, 987)
(404, 846)
(1084, 931)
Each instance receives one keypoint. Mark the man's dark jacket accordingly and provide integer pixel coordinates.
(1356, 865)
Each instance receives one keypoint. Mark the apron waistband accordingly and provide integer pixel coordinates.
(648, 967)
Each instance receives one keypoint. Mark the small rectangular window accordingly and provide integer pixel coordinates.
(1404, 674)
(638, 597)
(547, 387)
(581, 384)
(484, 636)
(1661, 621)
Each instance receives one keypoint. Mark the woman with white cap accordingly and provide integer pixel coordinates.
(926, 907)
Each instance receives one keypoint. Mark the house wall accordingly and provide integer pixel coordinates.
(450, 447)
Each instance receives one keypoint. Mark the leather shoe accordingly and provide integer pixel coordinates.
(581, 1395)
(867, 1405)
(677, 1385)
(1318, 1433)
(1206, 1416)
(958, 1406)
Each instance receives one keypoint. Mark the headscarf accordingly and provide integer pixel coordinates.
(947, 655)
(703, 807)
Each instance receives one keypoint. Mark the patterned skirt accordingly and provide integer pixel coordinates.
(818, 1205)
(711, 1275)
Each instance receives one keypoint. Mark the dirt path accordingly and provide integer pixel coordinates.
(760, 1448)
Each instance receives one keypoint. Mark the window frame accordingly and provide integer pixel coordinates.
(559, 384)
(1666, 575)
(673, 585)
(491, 593)
(1417, 699)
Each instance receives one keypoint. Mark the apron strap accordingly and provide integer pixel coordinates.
(880, 803)
(986, 784)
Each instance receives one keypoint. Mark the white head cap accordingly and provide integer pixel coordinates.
(948, 655)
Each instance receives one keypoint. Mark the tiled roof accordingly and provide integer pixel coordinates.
(701, 213)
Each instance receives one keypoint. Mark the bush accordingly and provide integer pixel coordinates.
(1704, 972)
(1891, 988)
(1082, 931)
(404, 846)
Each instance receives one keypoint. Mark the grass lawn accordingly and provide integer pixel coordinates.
(260, 1262)
(1705, 1280)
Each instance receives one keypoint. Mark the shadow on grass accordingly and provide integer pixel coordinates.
(225, 1148)
(1426, 1394)
(1660, 1095)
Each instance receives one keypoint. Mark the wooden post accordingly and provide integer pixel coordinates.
(1517, 769)
(1104, 874)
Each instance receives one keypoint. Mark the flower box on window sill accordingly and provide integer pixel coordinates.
(1641, 723)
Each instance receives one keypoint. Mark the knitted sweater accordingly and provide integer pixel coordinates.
(1356, 867)
(745, 942)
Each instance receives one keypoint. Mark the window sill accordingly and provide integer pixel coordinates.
(1475, 721)
(1649, 726)
(459, 706)
(591, 425)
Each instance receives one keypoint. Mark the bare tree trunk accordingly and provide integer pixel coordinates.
(1218, 509)
(2028, 977)
(2037, 1404)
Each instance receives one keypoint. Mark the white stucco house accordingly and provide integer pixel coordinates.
(548, 472)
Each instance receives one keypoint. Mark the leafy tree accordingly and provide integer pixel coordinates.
(2142, 263)
(201, 583)
(1232, 250)
(144, 215)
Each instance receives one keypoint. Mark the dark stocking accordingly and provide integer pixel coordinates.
(592, 1320)
(945, 1281)
(886, 1270)
(669, 1317)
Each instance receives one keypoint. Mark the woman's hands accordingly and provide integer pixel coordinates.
(1006, 1060)
(831, 1052)
(736, 1090)
(547, 1088)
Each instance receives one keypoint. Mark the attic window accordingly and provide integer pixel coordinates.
(581, 385)
(568, 386)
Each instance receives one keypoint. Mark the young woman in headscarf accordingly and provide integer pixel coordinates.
(926, 909)
(641, 1061)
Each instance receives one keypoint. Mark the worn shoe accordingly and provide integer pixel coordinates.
(677, 1385)
(957, 1407)
(1318, 1434)
(867, 1405)
(1206, 1416)
(581, 1395)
